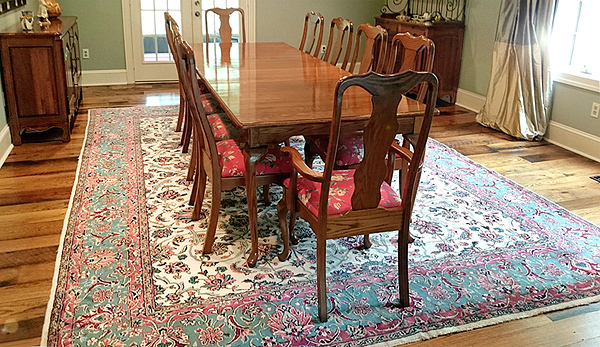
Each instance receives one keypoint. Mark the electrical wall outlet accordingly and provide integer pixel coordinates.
(595, 109)
(85, 53)
(323, 49)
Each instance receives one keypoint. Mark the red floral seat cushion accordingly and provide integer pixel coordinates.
(232, 162)
(340, 193)
(350, 148)
(210, 104)
(218, 127)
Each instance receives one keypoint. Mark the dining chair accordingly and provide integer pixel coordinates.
(407, 52)
(225, 31)
(340, 40)
(209, 103)
(220, 162)
(373, 48)
(411, 52)
(312, 36)
(344, 203)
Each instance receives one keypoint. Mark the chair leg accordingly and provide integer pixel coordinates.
(212, 221)
(193, 164)
(321, 278)
(198, 191)
(292, 207)
(187, 133)
(403, 268)
(366, 242)
(282, 212)
(182, 106)
(309, 154)
(266, 197)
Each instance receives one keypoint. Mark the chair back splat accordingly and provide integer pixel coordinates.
(340, 41)
(373, 56)
(312, 36)
(360, 201)
(225, 31)
(410, 52)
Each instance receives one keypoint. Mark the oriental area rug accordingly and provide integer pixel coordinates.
(130, 270)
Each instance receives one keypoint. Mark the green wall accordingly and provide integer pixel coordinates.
(278, 20)
(572, 106)
(480, 31)
(100, 30)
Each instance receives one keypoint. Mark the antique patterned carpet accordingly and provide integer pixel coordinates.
(130, 271)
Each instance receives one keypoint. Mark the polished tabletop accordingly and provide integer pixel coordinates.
(274, 90)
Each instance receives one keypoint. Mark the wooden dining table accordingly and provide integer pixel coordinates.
(272, 91)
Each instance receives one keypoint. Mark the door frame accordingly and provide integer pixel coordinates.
(128, 31)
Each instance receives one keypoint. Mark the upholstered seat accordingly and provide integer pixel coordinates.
(219, 128)
(340, 190)
(350, 148)
(231, 161)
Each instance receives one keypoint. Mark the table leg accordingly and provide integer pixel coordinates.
(251, 157)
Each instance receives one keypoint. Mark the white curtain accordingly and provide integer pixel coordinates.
(520, 89)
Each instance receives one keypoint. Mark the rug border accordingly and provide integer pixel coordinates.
(50, 305)
(556, 205)
(424, 336)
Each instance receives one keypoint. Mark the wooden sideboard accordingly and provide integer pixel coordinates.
(42, 77)
(448, 39)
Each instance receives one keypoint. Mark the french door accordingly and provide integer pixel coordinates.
(148, 55)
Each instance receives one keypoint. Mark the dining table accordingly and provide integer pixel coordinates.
(272, 91)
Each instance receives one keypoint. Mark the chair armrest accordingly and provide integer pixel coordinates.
(301, 166)
(405, 153)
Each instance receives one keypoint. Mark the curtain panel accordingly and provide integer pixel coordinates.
(519, 94)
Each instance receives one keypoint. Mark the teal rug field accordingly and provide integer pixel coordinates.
(130, 271)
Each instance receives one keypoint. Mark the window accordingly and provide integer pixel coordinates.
(156, 47)
(575, 47)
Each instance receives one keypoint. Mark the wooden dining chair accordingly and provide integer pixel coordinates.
(209, 103)
(221, 162)
(373, 48)
(411, 52)
(406, 52)
(312, 36)
(340, 40)
(225, 31)
(343, 203)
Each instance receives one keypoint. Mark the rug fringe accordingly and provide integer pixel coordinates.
(488, 322)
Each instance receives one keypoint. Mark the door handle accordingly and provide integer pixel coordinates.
(197, 13)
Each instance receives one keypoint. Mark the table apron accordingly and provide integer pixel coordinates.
(274, 134)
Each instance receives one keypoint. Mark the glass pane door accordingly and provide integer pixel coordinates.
(154, 39)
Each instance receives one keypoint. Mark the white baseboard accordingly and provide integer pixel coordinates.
(573, 140)
(5, 144)
(469, 100)
(103, 77)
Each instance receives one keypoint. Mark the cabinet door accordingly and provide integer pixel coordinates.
(33, 70)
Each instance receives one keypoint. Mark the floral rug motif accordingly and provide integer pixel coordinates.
(131, 272)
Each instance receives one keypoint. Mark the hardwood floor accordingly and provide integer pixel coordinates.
(37, 178)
